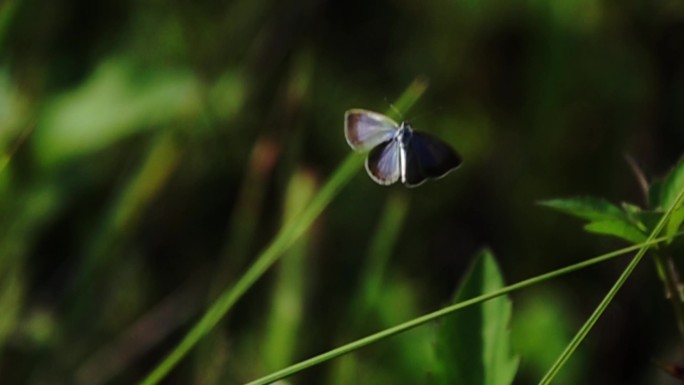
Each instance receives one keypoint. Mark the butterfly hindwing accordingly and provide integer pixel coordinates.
(428, 158)
(365, 129)
(383, 164)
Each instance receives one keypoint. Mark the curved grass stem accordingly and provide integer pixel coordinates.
(287, 235)
(591, 321)
(355, 345)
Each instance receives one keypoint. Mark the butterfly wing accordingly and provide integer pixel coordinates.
(365, 129)
(383, 164)
(428, 158)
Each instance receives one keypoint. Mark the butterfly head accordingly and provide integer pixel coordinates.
(404, 134)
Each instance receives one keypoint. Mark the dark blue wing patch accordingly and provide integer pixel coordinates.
(428, 158)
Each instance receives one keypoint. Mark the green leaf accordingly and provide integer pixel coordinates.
(671, 186)
(674, 223)
(473, 346)
(591, 208)
(633, 213)
(113, 104)
(618, 228)
(605, 217)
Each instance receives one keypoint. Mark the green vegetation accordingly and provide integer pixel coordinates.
(178, 203)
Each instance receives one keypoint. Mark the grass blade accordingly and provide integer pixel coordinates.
(288, 234)
(284, 322)
(589, 324)
(360, 343)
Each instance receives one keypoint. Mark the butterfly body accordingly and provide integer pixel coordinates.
(397, 152)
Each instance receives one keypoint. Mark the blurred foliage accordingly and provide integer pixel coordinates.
(541, 332)
(150, 149)
(473, 346)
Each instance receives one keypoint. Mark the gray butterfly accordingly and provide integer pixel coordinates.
(396, 151)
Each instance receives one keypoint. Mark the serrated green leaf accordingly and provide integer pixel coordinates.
(473, 346)
(674, 223)
(618, 228)
(591, 208)
(672, 184)
(605, 217)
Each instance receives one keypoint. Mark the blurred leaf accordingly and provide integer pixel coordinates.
(114, 103)
(124, 217)
(8, 10)
(662, 192)
(545, 310)
(12, 295)
(619, 228)
(377, 296)
(672, 184)
(227, 95)
(283, 334)
(674, 223)
(591, 208)
(383, 242)
(239, 238)
(8, 106)
(40, 327)
(398, 360)
(16, 121)
(473, 346)
(400, 301)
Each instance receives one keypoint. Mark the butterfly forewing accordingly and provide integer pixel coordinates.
(383, 164)
(366, 129)
(428, 158)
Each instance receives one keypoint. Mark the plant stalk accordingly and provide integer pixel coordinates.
(667, 271)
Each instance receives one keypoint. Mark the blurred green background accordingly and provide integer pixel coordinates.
(150, 149)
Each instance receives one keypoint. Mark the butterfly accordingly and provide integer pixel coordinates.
(396, 151)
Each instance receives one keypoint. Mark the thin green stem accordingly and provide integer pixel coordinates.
(589, 324)
(290, 370)
(283, 240)
(287, 235)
